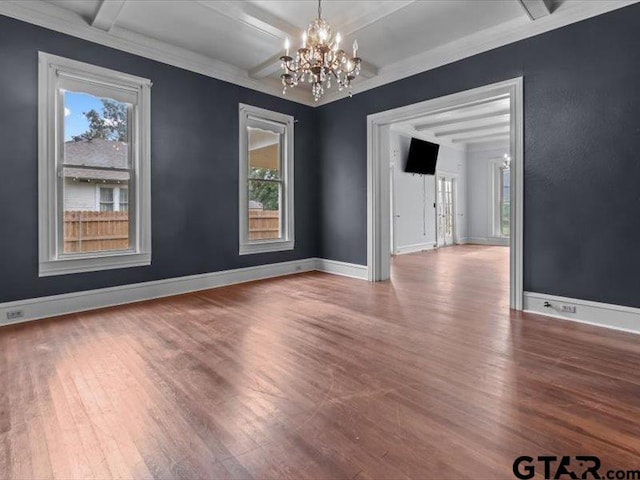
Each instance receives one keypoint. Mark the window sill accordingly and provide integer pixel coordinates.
(265, 247)
(93, 264)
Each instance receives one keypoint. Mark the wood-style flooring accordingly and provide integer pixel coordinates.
(315, 376)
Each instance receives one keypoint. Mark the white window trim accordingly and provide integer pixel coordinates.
(247, 112)
(51, 262)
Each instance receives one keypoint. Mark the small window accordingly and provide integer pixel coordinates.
(266, 181)
(94, 150)
(123, 204)
(106, 199)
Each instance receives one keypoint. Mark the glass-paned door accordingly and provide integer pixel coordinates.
(445, 210)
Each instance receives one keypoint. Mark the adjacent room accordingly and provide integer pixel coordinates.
(322, 239)
(450, 188)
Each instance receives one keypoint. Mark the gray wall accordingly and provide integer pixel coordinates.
(581, 165)
(480, 194)
(194, 142)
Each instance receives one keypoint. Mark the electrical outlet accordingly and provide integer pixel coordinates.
(569, 309)
(13, 314)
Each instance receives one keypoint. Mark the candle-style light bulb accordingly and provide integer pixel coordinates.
(355, 48)
(338, 38)
(304, 40)
(286, 46)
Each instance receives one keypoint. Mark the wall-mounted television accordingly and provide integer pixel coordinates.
(422, 158)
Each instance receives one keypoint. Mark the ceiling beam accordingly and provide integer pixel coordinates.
(469, 105)
(536, 8)
(107, 14)
(477, 128)
(453, 121)
(482, 138)
(463, 137)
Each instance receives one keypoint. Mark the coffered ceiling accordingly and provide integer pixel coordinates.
(240, 40)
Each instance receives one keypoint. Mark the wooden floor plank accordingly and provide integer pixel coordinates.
(311, 376)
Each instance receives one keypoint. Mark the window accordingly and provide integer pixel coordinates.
(106, 200)
(266, 181)
(123, 201)
(93, 152)
(501, 198)
(505, 200)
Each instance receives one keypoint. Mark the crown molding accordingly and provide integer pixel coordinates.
(485, 40)
(64, 21)
(59, 19)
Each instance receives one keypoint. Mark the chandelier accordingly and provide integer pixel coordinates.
(320, 60)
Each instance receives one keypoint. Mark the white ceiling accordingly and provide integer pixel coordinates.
(475, 126)
(241, 40)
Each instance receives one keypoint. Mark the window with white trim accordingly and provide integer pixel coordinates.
(265, 181)
(94, 168)
(501, 197)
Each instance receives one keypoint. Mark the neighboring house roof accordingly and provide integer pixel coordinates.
(88, 174)
(95, 153)
(254, 204)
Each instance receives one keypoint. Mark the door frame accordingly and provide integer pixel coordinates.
(378, 182)
(455, 237)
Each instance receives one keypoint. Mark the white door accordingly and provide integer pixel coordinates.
(445, 204)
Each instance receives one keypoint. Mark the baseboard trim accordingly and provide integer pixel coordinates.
(616, 317)
(495, 241)
(416, 247)
(55, 305)
(344, 269)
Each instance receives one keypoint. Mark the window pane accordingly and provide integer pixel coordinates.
(264, 153)
(264, 210)
(93, 221)
(124, 200)
(95, 131)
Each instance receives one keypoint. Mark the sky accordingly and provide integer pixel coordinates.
(75, 104)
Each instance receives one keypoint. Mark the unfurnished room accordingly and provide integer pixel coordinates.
(319, 239)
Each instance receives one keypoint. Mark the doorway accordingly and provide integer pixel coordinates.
(378, 173)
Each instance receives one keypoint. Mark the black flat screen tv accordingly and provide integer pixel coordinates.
(423, 157)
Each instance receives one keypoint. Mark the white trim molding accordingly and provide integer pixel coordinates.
(51, 306)
(495, 241)
(378, 172)
(344, 269)
(616, 317)
(416, 247)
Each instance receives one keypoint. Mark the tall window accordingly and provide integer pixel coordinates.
(94, 152)
(505, 200)
(266, 181)
(501, 198)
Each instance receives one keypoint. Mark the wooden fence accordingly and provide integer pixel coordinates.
(86, 231)
(95, 231)
(264, 224)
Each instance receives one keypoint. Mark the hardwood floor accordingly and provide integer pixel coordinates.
(318, 376)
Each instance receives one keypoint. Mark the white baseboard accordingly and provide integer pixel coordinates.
(51, 306)
(342, 268)
(416, 247)
(496, 241)
(617, 317)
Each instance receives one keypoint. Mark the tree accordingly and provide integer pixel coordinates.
(267, 193)
(111, 125)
